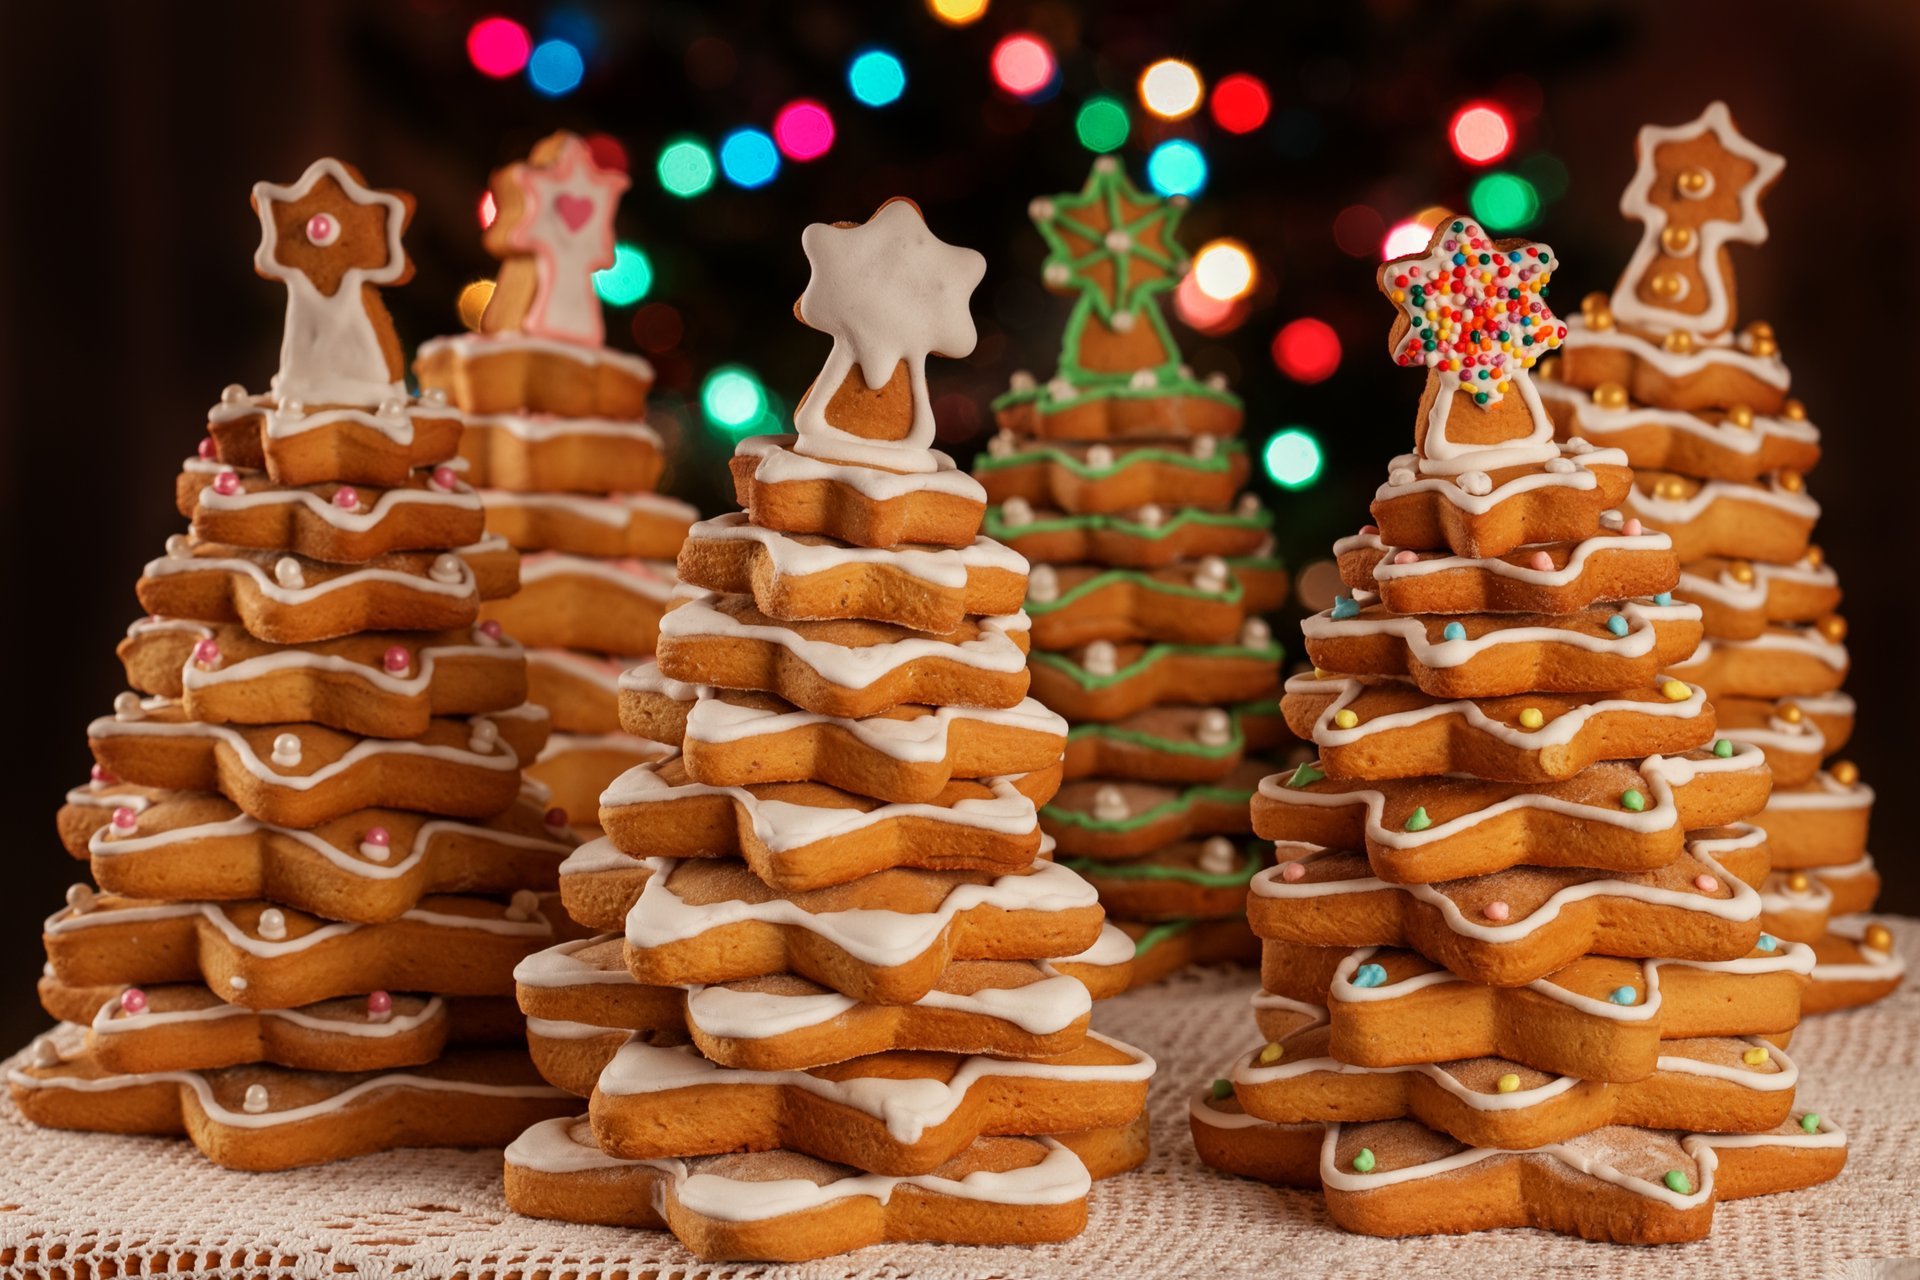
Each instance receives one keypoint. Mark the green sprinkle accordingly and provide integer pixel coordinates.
(1363, 1163)
(1810, 1122)
(1677, 1181)
(1221, 1089)
(1304, 775)
(1632, 801)
(1418, 819)
(1723, 748)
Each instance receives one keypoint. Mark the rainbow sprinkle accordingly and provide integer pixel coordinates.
(1478, 311)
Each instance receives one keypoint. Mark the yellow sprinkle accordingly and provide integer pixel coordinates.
(1755, 1057)
(1507, 1083)
(1321, 673)
(1675, 691)
(1345, 719)
(1399, 296)
(1531, 718)
(1271, 1054)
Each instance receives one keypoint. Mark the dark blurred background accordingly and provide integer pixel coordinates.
(133, 132)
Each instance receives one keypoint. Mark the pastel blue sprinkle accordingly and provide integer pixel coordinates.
(1623, 995)
(1617, 624)
(1345, 607)
(1767, 942)
(1664, 599)
(1369, 975)
(1454, 631)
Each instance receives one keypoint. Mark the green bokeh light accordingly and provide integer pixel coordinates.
(627, 280)
(1504, 202)
(1102, 124)
(686, 167)
(1292, 458)
(733, 398)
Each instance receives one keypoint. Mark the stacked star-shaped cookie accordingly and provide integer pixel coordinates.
(1515, 966)
(844, 992)
(318, 861)
(1121, 479)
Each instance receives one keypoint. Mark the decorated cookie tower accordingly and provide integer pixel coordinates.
(1658, 371)
(1515, 971)
(1121, 479)
(846, 993)
(316, 856)
(557, 442)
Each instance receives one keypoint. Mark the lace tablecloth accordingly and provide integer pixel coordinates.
(82, 1204)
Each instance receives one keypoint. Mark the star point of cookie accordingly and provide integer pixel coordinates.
(1696, 189)
(1473, 309)
(556, 209)
(1110, 241)
(863, 274)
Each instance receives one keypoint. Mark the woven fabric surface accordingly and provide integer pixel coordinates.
(74, 1204)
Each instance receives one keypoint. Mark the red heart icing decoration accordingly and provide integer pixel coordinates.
(573, 210)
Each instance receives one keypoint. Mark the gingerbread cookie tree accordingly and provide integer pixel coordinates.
(842, 964)
(1514, 946)
(1723, 450)
(1121, 479)
(317, 860)
(557, 442)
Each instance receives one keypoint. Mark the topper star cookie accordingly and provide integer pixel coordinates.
(553, 228)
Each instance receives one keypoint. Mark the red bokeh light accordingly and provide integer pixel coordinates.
(499, 47)
(1023, 64)
(1481, 133)
(607, 152)
(803, 130)
(1357, 229)
(1208, 315)
(1240, 103)
(1307, 350)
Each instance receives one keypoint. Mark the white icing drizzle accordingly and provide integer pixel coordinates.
(1600, 423)
(1706, 351)
(780, 463)
(652, 580)
(459, 585)
(872, 936)
(361, 519)
(1795, 642)
(614, 510)
(936, 566)
(1411, 630)
(851, 667)
(1440, 455)
(1742, 905)
(1824, 792)
(1727, 590)
(215, 914)
(1667, 512)
(111, 1020)
(414, 682)
(1404, 478)
(550, 1147)
(470, 346)
(1874, 966)
(538, 428)
(1387, 571)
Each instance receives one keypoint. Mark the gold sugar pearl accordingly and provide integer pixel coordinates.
(1677, 240)
(1815, 557)
(1593, 302)
(1878, 937)
(1760, 329)
(1834, 628)
(1547, 373)
(1765, 347)
(1691, 182)
(1798, 882)
(1794, 410)
(1792, 714)
(1610, 395)
(1844, 772)
(1791, 481)
(1741, 416)
(1665, 285)
(1741, 572)
(1601, 320)
(1679, 342)
(1669, 487)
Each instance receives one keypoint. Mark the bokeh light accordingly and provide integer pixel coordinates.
(658, 327)
(957, 13)
(1307, 350)
(608, 152)
(749, 158)
(876, 77)
(472, 303)
(1406, 237)
(1240, 103)
(1292, 458)
(732, 398)
(1171, 89)
(1102, 124)
(685, 167)
(1177, 168)
(627, 280)
(488, 209)
(1208, 315)
(556, 67)
(1481, 133)
(498, 47)
(1023, 64)
(1504, 202)
(804, 130)
(1224, 270)
(1357, 229)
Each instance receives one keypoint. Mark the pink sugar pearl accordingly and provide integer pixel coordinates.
(1367, 530)
(102, 776)
(133, 1000)
(445, 477)
(206, 652)
(124, 818)
(1631, 528)
(376, 835)
(556, 817)
(1496, 910)
(1705, 884)
(319, 227)
(1542, 561)
(206, 448)
(346, 497)
(1405, 557)
(491, 629)
(1293, 873)
(226, 484)
(396, 659)
(379, 1006)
